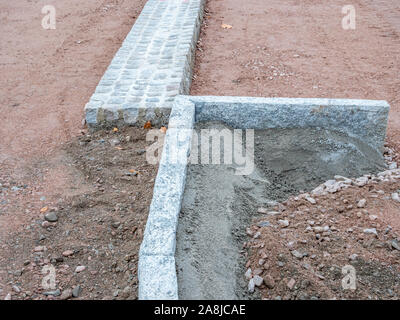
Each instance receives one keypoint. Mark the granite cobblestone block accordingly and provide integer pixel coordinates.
(153, 65)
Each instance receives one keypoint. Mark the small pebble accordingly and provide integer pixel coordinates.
(39, 249)
(269, 281)
(291, 284)
(67, 253)
(311, 200)
(251, 285)
(361, 203)
(76, 291)
(54, 293)
(80, 269)
(395, 245)
(370, 231)
(51, 217)
(395, 197)
(258, 280)
(284, 223)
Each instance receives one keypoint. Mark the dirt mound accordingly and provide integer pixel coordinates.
(218, 205)
(305, 259)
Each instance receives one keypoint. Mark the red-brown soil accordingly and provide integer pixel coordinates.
(274, 252)
(47, 77)
(102, 224)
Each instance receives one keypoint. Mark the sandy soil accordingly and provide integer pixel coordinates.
(211, 229)
(47, 77)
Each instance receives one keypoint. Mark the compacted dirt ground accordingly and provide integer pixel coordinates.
(298, 48)
(98, 229)
(99, 186)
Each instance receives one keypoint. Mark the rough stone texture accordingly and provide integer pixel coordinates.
(362, 119)
(157, 276)
(153, 65)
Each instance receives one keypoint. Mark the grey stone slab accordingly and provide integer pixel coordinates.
(363, 119)
(157, 251)
(157, 278)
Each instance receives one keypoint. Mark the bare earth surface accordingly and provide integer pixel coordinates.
(298, 48)
(47, 77)
(304, 259)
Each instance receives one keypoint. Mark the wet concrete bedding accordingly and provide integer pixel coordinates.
(218, 205)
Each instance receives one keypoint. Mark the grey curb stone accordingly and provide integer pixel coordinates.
(153, 65)
(157, 278)
(363, 119)
(157, 275)
(159, 235)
